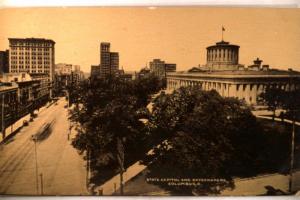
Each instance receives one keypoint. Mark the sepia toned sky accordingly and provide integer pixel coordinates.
(175, 34)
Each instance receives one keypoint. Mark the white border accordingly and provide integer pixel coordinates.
(226, 3)
(219, 3)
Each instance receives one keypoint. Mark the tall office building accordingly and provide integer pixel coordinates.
(4, 61)
(32, 55)
(109, 61)
(160, 68)
(105, 58)
(95, 72)
(114, 62)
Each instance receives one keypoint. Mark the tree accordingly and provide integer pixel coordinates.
(204, 136)
(273, 98)
(146, 86)
(109, 112)
(291, 103)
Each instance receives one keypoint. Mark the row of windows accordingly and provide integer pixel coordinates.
(32, 57)
(32, 53)
(211, 55)
(28, 66)
(28, 54)
(28, 49)
(30, 44)
(33, 71)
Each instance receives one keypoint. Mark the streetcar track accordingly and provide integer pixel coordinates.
(15, 161)
(12, 176)
(18, 158)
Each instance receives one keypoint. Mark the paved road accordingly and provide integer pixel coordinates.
(62, 168)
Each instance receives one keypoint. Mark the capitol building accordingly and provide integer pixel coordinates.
(223, 73)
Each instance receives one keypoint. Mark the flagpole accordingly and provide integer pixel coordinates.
(222, 32)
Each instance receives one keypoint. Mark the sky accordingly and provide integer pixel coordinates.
(175, 34)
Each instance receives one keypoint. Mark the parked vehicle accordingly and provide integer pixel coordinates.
(25, 123)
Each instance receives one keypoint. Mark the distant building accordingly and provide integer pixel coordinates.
(109, 61)
(105, 57)
(4, 61)
(66, 75)
(63, 69)
(114, 62)
(160, 68)
(170, 67)
(144, 72)
(126, 77)
(77, 75)
(95, 72)
(224, 74)
(76, 68)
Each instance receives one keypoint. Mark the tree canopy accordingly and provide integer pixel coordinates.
(204, 136)
(108, 112)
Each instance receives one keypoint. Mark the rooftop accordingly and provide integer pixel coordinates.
(7, 87)
(31, 40)
(223, 43)
(238, 73)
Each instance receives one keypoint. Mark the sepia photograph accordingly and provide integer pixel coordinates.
(149, 101)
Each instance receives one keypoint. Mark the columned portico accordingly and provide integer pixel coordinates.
(244, 87)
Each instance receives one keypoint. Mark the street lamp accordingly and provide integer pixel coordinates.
(34, 139)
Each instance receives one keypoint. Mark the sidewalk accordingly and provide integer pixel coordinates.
(258, 185)
(112, 185)
(13, 129)
(262, 113)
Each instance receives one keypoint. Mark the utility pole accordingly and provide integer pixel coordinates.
(120, 157)
(34, 138)
(292, 139)
(3, 124)
(42, 184)
(87, 167)
(292, 156)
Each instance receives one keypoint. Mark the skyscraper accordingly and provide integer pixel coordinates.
(114, 62)
(105, 58)
(109, 61)
(32, 55)
(4, 61)
(160, 67)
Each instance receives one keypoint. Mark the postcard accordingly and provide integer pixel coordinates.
(149, 101)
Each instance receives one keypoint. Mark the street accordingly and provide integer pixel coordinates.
(58, 169)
